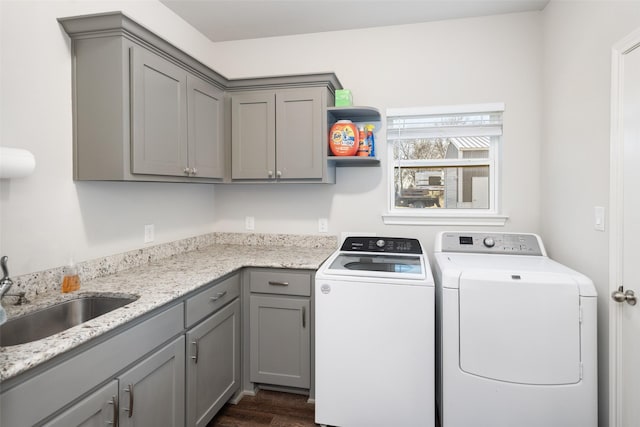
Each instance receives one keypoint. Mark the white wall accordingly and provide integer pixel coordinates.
(46, 215)
(578, 37)
(491, 59)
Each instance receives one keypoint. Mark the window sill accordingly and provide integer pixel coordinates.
(449, 219)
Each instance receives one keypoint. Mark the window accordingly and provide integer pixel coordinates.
(444, 165)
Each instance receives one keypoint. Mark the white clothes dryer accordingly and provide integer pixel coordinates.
(515, 334)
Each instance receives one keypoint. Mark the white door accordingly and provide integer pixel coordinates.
(625, 234)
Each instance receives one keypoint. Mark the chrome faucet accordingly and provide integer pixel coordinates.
(5, 283)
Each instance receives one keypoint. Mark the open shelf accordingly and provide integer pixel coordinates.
(355, 114)
(354, 160)
(358, 115)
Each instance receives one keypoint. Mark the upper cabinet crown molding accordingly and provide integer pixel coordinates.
(118, 23)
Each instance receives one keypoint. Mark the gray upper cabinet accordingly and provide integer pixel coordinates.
(253, 136)
(159, 116)
(177, 120)
(278, 135)
(143, 110)
(205, 136)
(299, 131)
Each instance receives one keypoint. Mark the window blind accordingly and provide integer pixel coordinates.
(405, 124)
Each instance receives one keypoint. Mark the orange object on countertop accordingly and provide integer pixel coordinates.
(70, 278)
(343, 138)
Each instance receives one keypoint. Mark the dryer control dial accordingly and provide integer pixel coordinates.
(380, 243)
(489, 242)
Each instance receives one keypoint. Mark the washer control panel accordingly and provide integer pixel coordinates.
(492, 243)
(396, 245)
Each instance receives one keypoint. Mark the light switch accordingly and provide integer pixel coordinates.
(598, 218)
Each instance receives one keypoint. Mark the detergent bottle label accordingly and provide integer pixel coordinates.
(343, 139)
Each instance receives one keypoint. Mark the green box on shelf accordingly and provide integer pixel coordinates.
(343, 98)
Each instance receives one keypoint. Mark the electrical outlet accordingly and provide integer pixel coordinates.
(250, 223)
(149, 233)
(323, 225)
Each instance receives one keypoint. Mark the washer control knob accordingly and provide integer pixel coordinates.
(489, 242)
(380, 243)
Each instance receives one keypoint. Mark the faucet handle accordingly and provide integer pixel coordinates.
(5, 269)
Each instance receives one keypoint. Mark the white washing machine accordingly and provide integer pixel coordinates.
(374, 335)
(516, 334)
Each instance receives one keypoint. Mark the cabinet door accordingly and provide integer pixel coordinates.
(159, 117)
(253, 135)
(205, 130)
(97, 410)
(299, 134)
(213, 364)
(152, 392)
(280, 340)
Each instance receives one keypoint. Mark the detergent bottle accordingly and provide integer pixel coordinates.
(344, 138)
(363, 146)
(370, 141)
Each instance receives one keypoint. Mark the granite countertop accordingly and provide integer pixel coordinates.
(156, 284)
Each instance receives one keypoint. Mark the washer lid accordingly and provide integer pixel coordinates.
(377, 265)
(520, 330)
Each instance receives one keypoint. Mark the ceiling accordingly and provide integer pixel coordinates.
(225, 20)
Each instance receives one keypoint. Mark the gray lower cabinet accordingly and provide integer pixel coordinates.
(97, 410)
(149, 394)
(152, 392)
(279, 135)
(136, 355)
(213, 364)
(212, 319)
(280, 328)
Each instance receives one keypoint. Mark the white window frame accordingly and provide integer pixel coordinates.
(441, 216)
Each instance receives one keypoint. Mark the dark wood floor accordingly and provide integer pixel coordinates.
(267, 408)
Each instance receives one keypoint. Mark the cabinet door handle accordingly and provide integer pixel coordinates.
(275, 283)
(304, 317)
(278, 174)
(270, 173)
(218, 296)
(194, 171)
(130, 409)
(195, 356)
(186, 171)
(116, 411)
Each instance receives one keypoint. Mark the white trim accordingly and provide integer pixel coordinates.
(448, 219)
(616, 233)
(447, 109)
(443, 163)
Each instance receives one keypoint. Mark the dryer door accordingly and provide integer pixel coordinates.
(520, 327)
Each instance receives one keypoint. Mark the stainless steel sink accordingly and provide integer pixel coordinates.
(56, 318)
